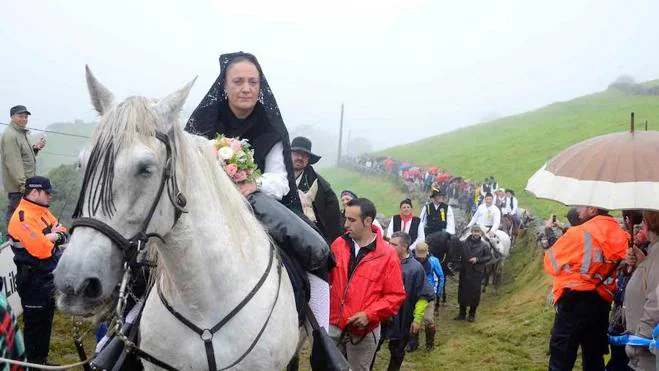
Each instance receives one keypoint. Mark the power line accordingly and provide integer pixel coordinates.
(57, 154)
(54, 132)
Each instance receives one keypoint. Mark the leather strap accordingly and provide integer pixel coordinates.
(207, 334)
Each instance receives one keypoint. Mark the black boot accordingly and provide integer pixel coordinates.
(472, 314)
(430, 338)
(413, 343)
(462, 315)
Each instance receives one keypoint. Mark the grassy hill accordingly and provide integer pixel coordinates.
(513, 148)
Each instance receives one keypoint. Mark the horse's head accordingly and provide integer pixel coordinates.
(129, 187)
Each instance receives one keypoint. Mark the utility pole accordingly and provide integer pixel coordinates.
(338, 161)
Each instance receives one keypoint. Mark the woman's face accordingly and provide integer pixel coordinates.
(345, 199)
(243, 85)
(406, 210)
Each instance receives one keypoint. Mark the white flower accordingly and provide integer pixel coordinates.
(225, 154)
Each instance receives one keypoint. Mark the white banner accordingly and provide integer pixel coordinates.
(8, 275)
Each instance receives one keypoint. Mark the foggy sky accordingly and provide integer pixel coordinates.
(404, 69)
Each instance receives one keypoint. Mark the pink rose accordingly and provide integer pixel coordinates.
(236, 146)
(231, 170)
(240, 176)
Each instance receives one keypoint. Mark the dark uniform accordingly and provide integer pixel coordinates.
(436, 218)
(414, 227)
(471, 275)
(36, 257)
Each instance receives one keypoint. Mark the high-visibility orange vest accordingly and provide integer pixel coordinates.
(585, 257)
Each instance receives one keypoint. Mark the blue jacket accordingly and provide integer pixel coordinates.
(434, 269)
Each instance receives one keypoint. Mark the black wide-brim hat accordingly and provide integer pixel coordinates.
(303, 144)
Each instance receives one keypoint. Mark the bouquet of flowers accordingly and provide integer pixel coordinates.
(237, 158)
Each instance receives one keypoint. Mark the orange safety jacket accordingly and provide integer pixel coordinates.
(29, 225)
(586, 256)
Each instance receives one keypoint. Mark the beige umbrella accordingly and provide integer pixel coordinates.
(615, 172)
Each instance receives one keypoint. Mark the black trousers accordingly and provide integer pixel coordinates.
(582, 319)
(397, 350)
(38, 324)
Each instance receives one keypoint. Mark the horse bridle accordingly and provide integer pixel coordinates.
(133, 246)
(131, 249)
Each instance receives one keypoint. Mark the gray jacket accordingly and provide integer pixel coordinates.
(18, 158)
(642, 307)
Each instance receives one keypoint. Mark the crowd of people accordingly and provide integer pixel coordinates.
(380, 283)
(604, 284)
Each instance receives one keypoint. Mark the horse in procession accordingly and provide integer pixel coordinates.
(220, 295)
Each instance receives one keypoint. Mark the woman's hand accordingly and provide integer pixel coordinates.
(247, 188)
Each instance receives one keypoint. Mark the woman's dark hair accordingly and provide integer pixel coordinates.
(238, 60)
(406, 201)
(635, 216)
(366, 207)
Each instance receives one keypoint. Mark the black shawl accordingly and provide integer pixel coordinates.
(263, 128)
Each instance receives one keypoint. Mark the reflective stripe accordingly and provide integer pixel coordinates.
(554, 262)
(598, 257)
(566, 267)
(588, 252)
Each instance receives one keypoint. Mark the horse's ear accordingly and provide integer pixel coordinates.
(102, 98)
(170, 106)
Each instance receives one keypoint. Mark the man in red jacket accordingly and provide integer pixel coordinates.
(366, 286)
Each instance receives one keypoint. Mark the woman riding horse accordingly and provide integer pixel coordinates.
(241, 104)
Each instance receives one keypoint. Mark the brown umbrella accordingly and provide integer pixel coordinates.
(613, 172)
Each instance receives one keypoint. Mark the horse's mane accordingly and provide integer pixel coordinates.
(117, 129)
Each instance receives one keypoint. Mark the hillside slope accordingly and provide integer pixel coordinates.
(512, 328)
(514, 147)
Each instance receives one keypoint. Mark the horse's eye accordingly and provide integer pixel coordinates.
(145, 170)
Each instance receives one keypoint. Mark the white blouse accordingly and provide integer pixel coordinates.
(274, 180)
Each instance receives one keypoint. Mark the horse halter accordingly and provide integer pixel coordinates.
(136, 244)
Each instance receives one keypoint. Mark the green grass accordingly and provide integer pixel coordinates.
(513, 148)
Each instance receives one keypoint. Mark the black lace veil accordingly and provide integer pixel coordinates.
(206, 120)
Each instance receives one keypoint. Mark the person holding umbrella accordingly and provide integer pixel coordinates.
(584, 261)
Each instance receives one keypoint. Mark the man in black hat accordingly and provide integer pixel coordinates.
(437, 215)
(18, 156)
(315, 189)
(36, 236)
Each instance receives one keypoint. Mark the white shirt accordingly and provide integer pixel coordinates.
(405, 227)
(515, 204)
(485, 216)
(358, 248)
(450, 220)
(274, 180)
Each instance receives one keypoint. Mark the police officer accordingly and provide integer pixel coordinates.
(36, 235)
(437, 215)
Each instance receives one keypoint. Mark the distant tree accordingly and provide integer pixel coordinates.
(624, 79)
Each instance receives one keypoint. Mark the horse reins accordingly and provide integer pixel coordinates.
(131, 249)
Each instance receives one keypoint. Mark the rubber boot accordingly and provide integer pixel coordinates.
(472, 314)
(413, 343)
(430, 338)
(463, 314)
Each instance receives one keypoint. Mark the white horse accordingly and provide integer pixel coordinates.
(500, 240)
(209, 259)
